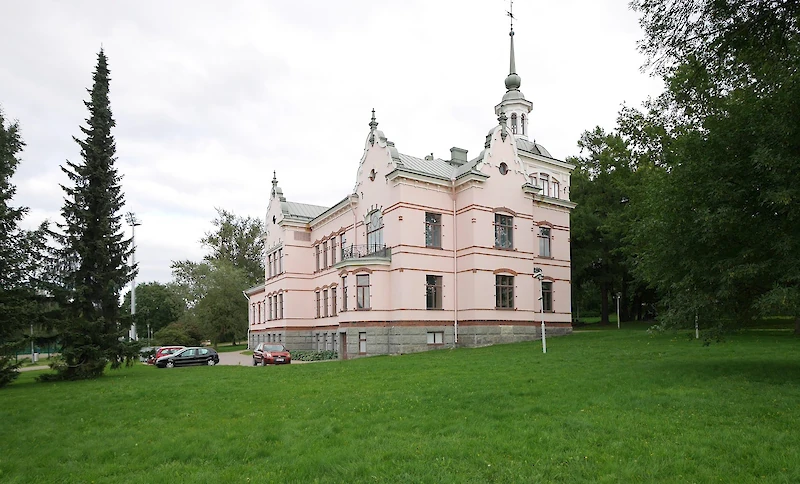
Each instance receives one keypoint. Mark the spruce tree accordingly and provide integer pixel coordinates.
(12, 255)
(93, 252)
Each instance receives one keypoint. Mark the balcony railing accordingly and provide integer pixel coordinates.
(368, 250)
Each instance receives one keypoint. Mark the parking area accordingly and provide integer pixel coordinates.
(235, 358)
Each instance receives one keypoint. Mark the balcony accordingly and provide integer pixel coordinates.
(369, 254)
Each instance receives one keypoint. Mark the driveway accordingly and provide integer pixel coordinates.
(235, 358)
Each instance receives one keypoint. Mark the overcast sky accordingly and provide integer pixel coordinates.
(210, 97)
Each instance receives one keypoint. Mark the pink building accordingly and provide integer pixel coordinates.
(424, 253)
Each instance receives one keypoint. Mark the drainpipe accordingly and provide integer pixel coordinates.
(455, 272)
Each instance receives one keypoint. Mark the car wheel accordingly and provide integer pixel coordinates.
(255, 363)
(211, 362)
(170, 364)
(263, 362)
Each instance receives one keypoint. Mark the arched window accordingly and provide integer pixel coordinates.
(522, 123)
(514, 123)
(375, 232)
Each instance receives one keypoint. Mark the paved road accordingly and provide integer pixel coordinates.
(235, 358)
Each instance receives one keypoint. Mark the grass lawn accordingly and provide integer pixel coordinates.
(229, 348)
(600, 406)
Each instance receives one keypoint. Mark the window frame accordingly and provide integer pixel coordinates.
(547, 296)
(324, 303)
(344, 293)
(280, 306)
(325, 254)
(433, 292)
(504, 291)
(374, 234)
(545, 241)
(500, 224)
(433, 230)
(333, 301)
(316, 257)
(432, 337)
(362, 343)
(363, 292)
(317, 296)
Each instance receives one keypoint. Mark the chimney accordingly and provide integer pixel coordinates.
(458, 156)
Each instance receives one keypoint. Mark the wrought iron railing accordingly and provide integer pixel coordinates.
(368, 250)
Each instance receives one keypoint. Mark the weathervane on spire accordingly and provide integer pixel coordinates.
(510, 13)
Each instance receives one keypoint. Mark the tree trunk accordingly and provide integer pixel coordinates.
(604, 303)
(797, 326)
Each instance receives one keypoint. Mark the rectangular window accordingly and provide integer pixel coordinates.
(254, 314)
(325, 255)
(504, 291)
(503, 231)
(544, 241)
(317, 343)
(362, 343)
(274, 303)
(325, 303)
(433, 292)
(333, 251)
(280, 306)
(556, 190)
(433, 229)
(280, 261)
(333, 301)
(362, 291)
(544, 182)
(317, 295)
(269, 266)
(269, 308)
(316, 257)
(547, 296)
(435, 337)
(259, 313)
(344, 293)
(342, 244)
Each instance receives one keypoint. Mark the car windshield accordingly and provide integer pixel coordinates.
(274, 348)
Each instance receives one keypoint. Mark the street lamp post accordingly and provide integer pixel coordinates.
(619, 294)
(537, 273)
(133, 222)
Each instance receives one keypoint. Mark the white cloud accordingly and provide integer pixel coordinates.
(211, 97)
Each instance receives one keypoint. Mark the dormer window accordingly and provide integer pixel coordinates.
(544, 183)
(514, 123)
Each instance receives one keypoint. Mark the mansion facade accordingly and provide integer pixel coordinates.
(425, 252)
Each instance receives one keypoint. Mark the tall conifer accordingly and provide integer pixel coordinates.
(93, 254)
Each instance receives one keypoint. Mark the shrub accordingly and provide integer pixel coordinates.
(303, 355)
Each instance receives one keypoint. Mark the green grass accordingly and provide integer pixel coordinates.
(600, 406)
(229, 348)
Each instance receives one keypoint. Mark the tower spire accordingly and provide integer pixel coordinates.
(513, 81)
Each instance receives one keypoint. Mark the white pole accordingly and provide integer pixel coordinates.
(33, 354)
(696, 327)
(544, 336)
(133, 283)
(618, 295)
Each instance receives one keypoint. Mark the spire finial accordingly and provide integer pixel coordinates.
(274, 178)
(373, 124)
(513, 81)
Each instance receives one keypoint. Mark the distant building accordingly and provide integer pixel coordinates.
(424, 253)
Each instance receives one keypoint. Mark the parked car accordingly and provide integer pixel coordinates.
(147, 353)
(271, 354)
(189, 356)
(163, 351)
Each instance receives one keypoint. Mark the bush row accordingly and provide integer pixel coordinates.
(303, 355)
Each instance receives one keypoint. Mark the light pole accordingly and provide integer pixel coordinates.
(619, 294)
(537, 273)
(131, 219)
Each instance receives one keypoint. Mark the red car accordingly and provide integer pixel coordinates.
(163, 351)
(271, 354)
